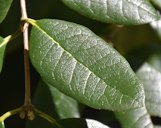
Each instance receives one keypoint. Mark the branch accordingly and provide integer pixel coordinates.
(10, 37)
(10, 113)
(47, 117)
(25, 25)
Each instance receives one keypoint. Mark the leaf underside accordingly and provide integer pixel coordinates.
(116, 11)
(2, 50)
(151, 79)
(138, 118)
(4, 8)
(83, 66)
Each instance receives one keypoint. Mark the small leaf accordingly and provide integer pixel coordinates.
(2, 50)
(118, 12)
(4, 8)
(83, 66)
(2, 125)
(138, 118)
(151, 79)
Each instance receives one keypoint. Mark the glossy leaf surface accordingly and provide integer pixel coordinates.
(138, 118)
(4, 7)
(2, 50)
(151, 79)
(83, 66)
(118, 12)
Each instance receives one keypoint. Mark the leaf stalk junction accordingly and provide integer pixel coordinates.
(27, 110)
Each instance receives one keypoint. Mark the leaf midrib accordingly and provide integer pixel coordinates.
(48, 35)
(131, 2)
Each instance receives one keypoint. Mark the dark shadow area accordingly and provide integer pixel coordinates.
(146, 53)
(106, 117)
(44, 102)
(156, 120)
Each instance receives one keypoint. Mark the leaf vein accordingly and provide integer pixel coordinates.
(50, 37)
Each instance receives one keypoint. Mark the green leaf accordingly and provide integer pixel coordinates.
(138, 118)
(83, 66)
(150, 74)
(2, 125)
(65, 106)
(118, 12)
(151, 79)
(2, 50)
(4, 8)
(54, 103)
